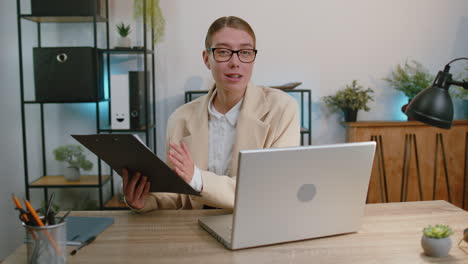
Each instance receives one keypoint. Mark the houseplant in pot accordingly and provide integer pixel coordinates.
(436, 240)
(411, 78)
(350, 100)
(124, 40)
(74, 156)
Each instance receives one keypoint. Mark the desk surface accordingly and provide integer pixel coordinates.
(390, 233)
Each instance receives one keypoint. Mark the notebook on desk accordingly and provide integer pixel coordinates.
(289, 194)
(80, 228)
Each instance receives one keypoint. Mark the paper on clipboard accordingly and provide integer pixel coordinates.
(121, 151)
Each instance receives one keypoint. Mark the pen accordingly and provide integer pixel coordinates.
(41, 224)
(49, 206)
(87, 242)
(63, 217)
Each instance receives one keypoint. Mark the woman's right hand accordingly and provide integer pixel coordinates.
(135, 191)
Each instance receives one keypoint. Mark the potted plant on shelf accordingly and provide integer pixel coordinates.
(436, 241)
(411, 78)
(73, 155)
(350, 100)
(124, 41)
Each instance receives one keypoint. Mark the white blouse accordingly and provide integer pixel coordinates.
(222, 134)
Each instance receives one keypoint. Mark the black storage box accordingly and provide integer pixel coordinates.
(68, 7)
(68, 74)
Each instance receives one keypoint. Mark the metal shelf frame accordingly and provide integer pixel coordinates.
(147, 50)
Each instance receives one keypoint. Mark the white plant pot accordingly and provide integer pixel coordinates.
(72, 174)
(124, 42)
(436, 247)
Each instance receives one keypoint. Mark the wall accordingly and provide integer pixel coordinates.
(11, 157)
(323, 43)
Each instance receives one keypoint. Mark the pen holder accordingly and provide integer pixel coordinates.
(47, 244)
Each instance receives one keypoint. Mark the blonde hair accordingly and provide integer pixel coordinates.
(229, 21)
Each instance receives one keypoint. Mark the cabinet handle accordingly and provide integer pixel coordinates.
(62, 57)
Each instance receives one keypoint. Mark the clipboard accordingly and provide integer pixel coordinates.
(121, 151)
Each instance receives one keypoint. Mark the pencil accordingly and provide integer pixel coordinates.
(41, 224)
(24, 216)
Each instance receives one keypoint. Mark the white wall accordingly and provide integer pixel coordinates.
(323, 43)
(11, 157)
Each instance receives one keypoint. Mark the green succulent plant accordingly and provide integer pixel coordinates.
(73, 155)
(354, 97)
(411, 78)
(123, 30)
(438, 231)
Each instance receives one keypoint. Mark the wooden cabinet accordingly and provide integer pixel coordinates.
(414, 161)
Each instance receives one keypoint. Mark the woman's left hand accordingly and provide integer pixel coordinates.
(180, 157)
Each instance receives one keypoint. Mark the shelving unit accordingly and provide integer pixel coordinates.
(100, 180)
(304, 105)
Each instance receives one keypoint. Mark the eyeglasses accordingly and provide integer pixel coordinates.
(244, 55)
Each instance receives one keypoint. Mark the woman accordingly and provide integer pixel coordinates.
(205, 136)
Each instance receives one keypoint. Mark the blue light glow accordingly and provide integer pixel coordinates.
(106, 86)
(396, 113)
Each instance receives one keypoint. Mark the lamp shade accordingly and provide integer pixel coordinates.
(432, 106)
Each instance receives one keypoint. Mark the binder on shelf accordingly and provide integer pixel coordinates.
(138, 102)
(121, 151)
(120, 103)
(128, 102)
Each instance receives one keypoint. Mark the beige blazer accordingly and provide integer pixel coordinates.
(268, 118)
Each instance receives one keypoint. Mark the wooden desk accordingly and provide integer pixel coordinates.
(390, 233)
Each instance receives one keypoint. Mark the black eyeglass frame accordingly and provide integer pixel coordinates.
(212, 50)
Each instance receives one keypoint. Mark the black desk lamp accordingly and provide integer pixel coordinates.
(433, 105)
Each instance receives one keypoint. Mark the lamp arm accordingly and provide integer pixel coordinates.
(461, 84)
(444, 78)
(457, 59)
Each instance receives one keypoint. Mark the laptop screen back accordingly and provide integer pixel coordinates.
(288, 194)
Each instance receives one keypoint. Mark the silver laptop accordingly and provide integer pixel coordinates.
(289, 194)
